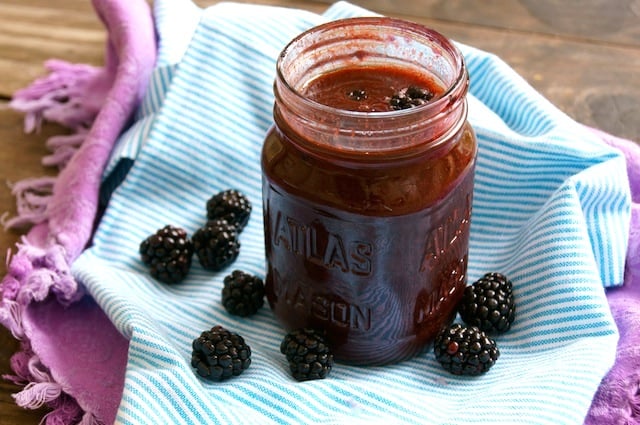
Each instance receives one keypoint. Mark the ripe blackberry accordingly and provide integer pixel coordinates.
(464, 350)
(243, 293)
(308, 355)
(219, 354)
(231, 205)
(410, 97)
(216, 244)
(168, 254)
(489, 304)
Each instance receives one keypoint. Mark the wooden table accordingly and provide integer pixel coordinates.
(583, 55)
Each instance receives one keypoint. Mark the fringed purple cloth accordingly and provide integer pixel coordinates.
(72, 359)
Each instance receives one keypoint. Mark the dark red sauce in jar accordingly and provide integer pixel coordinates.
(367, 208)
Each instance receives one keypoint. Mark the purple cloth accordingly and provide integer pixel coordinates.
(84, 352)
(72, 357)
(617, 400)
(40, 301)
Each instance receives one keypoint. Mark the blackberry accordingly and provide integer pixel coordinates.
(308, 355)
(465, 350)
(410, 97)
(230, 205)
(168, 254)
(489, 304)
(216, 245)
(219, 354)
(243, 293)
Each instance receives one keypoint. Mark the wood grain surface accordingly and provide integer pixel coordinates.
(583, 55)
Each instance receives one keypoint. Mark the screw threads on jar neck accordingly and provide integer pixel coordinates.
(370, 42)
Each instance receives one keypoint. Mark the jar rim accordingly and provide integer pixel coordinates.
(437, 104)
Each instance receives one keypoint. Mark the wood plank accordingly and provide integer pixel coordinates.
(35, 31)
(19, 158)
(20, 155)
(594, 85)
(612, 21)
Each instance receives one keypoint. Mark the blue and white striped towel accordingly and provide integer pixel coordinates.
(551, 210)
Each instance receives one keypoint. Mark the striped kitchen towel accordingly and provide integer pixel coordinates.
(551, 210)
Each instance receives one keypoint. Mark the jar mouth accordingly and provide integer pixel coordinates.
(322, 39)
(371, 41)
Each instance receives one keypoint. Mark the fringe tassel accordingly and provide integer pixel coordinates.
(41, 390)
(70, 95)
(35, 272)
(63, 148)
(11, 318)
(37, 394)
(32, 197)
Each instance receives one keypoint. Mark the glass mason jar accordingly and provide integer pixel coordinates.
(367, 186)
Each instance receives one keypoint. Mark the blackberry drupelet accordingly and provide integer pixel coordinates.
(242, 294)
(489, 304)
(219, 354)
(308, 355)
(168, 254)
(216, 244)
(465, 350)
(230, 205)
(410, 97)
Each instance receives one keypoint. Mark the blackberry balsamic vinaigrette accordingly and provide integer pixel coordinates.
(367, 187)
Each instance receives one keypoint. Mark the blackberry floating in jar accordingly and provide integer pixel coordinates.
(410, 97)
